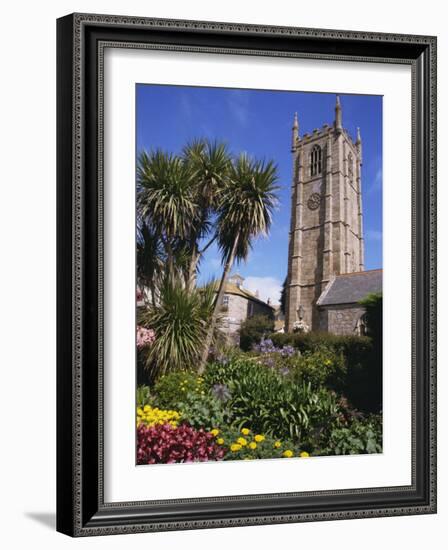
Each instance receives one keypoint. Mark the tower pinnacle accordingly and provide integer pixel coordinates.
(295, 133)
(338, 115)
(359, 143)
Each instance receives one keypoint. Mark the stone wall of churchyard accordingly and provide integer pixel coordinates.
(340, 319)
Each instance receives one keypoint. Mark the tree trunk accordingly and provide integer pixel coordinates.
(195, 257)
(191, 282)
(169, 256)
(221, 288)
(153, 296)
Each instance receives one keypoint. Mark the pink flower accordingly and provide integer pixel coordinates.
(145, 337)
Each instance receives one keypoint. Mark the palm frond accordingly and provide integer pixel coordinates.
(247, 203)
(164, 193)
(180, 321)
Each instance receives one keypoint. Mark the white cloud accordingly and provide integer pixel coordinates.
(377, 182)
(238, 103)
(374, 235)
(215, 263)
(268, 287)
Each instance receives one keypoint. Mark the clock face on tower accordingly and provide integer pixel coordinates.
(314, 201)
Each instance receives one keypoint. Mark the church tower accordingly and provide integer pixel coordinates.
(326, 235)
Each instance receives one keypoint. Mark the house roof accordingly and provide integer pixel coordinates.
(350, 288)
(230, 288)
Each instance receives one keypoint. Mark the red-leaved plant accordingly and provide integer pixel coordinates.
(164, 444)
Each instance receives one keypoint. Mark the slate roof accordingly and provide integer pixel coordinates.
(349, 288)
(239, 291)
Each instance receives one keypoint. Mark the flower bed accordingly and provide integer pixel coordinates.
(244, 408)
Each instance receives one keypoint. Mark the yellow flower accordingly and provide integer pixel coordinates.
(242, 441)
(235, 447)
(259, 438)
(220, 441)
(288, 453)
(214, 432)
(252, 445)
(304, 454)
(245, 431)
(277, 444)
(152, 416)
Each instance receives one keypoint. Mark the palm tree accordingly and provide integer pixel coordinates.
(245, 211)
(150, 258)
(166, 200)
(177, 196)
(180, 321)
(209, 163)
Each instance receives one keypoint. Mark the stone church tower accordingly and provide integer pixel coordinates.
(326, 235)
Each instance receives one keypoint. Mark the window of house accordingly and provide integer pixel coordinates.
(316, 160)
(251, 309)
(225, 300)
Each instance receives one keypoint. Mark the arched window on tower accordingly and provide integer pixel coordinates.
(316, 160)
(350, 168)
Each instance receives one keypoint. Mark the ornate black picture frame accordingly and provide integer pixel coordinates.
(81, 509)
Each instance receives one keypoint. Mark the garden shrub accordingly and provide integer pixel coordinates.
(254, 329)
(143, 396)
(202, 411)
(271, 404)
(353, 346)
(224, 370)
(174, 387)
(163, 443)
(323, 367)
(362, 383)
(361, 436)
(186, 392)
(373, 304)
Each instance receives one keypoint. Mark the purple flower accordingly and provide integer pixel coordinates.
(287, 351)
(284, 371)
(222, 359)
(269, 362)
(266, 346)
(221, 392)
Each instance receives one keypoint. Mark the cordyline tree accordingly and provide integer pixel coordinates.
(245, 212)
(176, 199)
(186, 203)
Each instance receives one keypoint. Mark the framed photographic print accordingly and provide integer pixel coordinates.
(246, 274)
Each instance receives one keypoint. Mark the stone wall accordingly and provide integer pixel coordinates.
(340, 319)
(237, 311)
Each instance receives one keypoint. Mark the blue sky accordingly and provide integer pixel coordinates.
(259, 123)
